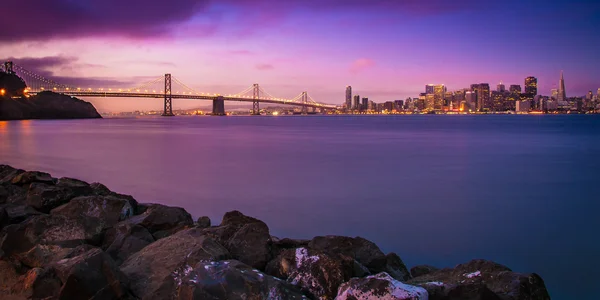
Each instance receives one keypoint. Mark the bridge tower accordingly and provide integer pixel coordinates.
(8, 67)
(168, 110)
(218, 106)
(304, 102)
(255, 97)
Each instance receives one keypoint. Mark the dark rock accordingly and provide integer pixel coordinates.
(247, 239)
(4, 220)
(203, 222)
(229, 279)
(8, 173)
(278, 245)
(99, 189)
(380, 286)
(152, 265)
(44, 197)
(46, 105)
(38, 283)
(16, 195)
(497, 278)
(19, 213)
(363, 251)
(471, 292)
(161, 220)
(3, 194)
(421, 270)
(124, 239)
(33, 176)
(8, 277)
(49, 230)
(109, 210)
(317, 273)
(91, 275)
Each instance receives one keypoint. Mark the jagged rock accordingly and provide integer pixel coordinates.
(124, 239)
(49, 230)
(317, 273)
(363, 251)
(381, 286)
(108, 210)
(3, 194)
(497, 278)
(421, 270)
(8, 173)
(229, 279)
(45, 197)
(4, 220)
(33, 176)
(149, 267)
(471, 292)
(37, 283)
(161, 220)
(247, 239)
(203, 222)
(278, 245)
(19, 213)
(92, 274)
(8, 277)
(16, 195)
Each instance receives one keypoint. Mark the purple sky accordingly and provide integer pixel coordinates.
(385, 49)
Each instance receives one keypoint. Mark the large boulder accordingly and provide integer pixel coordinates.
(8, 173)
(91, 275)
(381, 286)
(124, 239)
(363, 251)
(29, 177)
(317, 273)
(151, 266)
(49, 230)
(229, 279)
(4, 220)
(3, 194)
(278, 245)
(37, 283)
(247, 239)
(161, 220)
(421, 270)
(45, 197)
(203, 222)
(108, 210)
(18, 213)
(476, 276)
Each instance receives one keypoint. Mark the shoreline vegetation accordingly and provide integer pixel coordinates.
(62, 238)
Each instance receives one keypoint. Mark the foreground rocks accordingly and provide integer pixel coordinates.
(67, 239)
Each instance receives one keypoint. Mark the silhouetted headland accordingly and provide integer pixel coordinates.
(16, 105)
(67, 239)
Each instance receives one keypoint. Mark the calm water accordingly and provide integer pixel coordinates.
(520, 190)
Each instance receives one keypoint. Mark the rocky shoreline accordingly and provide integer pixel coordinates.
(67, 239)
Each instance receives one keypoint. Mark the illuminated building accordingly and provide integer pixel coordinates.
(515, 88)
(511, 100)
(365, 104)
(356, 103)
(498, 101)
(471, 99)
(531, 86)
(429, 89)
(554, 93)
(523, 106)
(399, 105)
(389, 106)
(562, 94)
(501, 87)
(429, 102)
(348, 97)
(439, 91)
(483, 96)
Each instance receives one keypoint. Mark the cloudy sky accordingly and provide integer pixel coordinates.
(385, 49)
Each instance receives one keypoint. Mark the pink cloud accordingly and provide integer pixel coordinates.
(361, 64)
(264, 67)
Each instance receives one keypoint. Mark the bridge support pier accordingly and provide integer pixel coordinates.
(255, 96)
(304, 102)
(8, 67)
(168, 109)
(218, 106)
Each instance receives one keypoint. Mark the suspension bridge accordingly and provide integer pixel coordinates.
(165, 87)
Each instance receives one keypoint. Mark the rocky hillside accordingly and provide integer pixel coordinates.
(47, 105)
(67, 239)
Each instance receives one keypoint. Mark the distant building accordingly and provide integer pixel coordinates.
(372, 105)
(515, 88)
(598, 94)
(562, 93)
(348, 97)
(399, 105)
(389, 106)
(365, 104)
(498, 100)
(523, 106)
(429, 102)
(356, 102)
(429, 89)
(483, 96)
(589, 96)
(531, 86)
(501, 87)
(439, 91)
(471, 99)
(554, 94)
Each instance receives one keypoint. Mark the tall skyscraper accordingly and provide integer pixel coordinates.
(365, 104)
(531, 86)
(515, 88)
(471, 99)
(430, 89)
(501, 87)
(348, 97)
(439, 92)
(562, 94)
(554, 93)
(356, 102)
(483, 96)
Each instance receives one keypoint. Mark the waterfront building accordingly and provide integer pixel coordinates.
(523, 106)
(429, 89)
(471, 99)
(562, 93)
(515, 88)
(439, 92)
(429, 102)
(365, 104)
(483, 96)
(356, 102)
(348, 97)
(501, 87)
(498, 101)
(554, 94)
(531, 86)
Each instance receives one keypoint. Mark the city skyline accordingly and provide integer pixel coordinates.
(387, 54)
